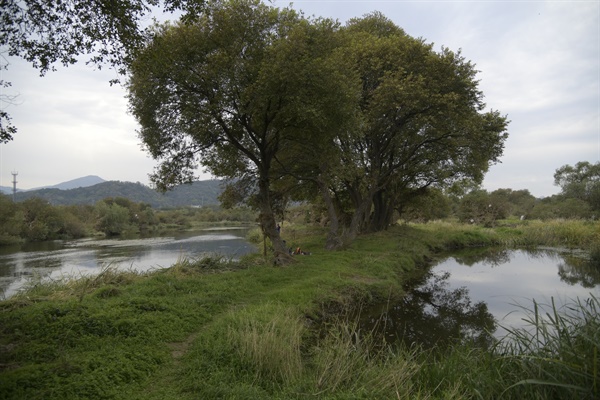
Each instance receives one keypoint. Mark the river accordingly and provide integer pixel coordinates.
(479, 294)
(59, 259)
(474, 294)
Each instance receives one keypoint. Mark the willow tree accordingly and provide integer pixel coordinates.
(233, 92)
(423, 124)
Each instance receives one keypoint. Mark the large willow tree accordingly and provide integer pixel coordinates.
(365, 116)
(422, 125)
(234, 92)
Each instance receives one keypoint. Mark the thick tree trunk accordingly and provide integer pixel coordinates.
(334, 240)
(269, 227)
(383, 212)
(359, 218)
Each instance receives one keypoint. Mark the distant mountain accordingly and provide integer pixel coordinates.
(196, 194)
(85, 181)
(6, 189)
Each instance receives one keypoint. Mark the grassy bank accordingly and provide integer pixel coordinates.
(247, 330)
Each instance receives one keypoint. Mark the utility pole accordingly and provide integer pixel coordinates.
(14, 182)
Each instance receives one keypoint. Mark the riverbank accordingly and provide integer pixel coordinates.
(216, 329)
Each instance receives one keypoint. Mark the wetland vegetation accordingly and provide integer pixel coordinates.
(214, 328)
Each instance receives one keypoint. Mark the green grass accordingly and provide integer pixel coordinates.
(213, 328)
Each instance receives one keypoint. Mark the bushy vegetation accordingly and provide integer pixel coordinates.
(36, 220)
(488, 208)
(214, 328)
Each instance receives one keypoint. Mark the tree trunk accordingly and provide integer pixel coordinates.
(334, 240)
(383, 211)
(268, 225)
(358, 219)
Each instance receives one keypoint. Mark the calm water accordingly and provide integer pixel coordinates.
(55, 260)
(475, 295)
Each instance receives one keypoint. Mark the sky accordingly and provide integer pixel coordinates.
(539, 64)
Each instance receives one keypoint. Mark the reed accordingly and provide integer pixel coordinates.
(557, 354)
(79, 286)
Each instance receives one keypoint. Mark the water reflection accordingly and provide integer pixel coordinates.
(55, 260)
(474, 295)
(578, 271)
(432, 315)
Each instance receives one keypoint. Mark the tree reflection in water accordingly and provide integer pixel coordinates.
(436, 314)
(575, 270)
(432, 316)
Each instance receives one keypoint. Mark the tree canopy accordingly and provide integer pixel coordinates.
(422, 125)
(363, 116)
(45, 33)
(580, 181)
(235, 91)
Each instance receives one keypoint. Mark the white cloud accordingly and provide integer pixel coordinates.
(539, 63)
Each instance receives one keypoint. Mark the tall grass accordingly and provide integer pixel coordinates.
(565, 233)
(271, 346)
(348, 361)
(344, 362)
(557, 355)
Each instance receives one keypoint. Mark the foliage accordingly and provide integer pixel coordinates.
(107, 32)
(561, 207)
(10, 226)
(481, 208)
(234, 91)
(514, 202)
(36, 220)
(581, 182)
(113, 219)
(487, 208)
(432, 205)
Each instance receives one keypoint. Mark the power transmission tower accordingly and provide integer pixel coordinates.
(14, 182)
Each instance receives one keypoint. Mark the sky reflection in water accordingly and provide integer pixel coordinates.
(72, 259)
(475, 292)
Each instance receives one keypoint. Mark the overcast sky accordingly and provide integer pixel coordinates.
(539, 63)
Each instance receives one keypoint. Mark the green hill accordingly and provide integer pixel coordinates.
(198, 193)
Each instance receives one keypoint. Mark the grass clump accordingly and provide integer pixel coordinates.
(271, 345)
(554, 357)
(348, 362)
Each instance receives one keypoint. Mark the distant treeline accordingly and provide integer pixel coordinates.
(483, 207)
(36, 220)
(579, 199)
(199, 193)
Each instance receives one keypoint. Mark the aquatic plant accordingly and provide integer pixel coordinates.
(557, 354)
